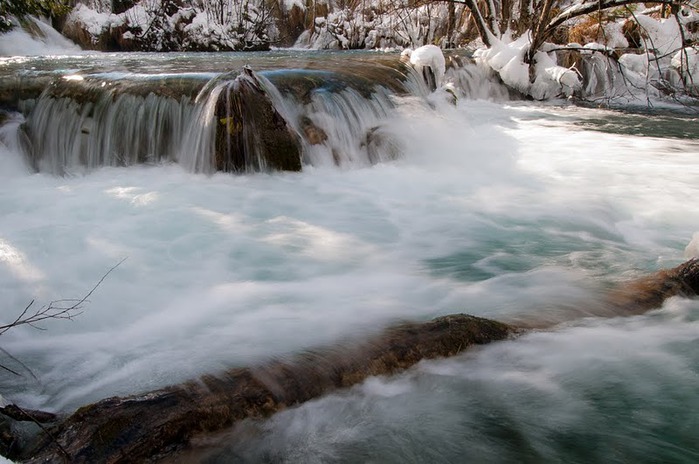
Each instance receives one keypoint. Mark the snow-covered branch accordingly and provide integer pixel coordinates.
(588, 7)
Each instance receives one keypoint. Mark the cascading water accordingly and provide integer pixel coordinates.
(75, 124)
(474, 81)
(334, 117)
(340, 120)
(510, 211)
(330, 116)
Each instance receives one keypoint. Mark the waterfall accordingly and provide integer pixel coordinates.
(68, 129)
(335, 118)
(475, 81)
(322, 113)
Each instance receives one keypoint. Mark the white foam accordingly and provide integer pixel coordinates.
(492, 210)
(18, 42)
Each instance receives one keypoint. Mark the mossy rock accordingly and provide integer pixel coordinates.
(251, 135)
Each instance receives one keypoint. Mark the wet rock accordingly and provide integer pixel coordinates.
(380, 145)
(251, 135)
(313, 134)
(650, 292)
(9, 442)
(27, 415)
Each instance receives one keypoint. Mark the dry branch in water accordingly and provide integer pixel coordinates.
(56, 309)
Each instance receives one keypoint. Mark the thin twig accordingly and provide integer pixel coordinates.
(56, 309)
(18, 362)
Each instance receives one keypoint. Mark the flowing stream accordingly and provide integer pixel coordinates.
(505, 209)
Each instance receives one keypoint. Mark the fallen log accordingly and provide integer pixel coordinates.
(161, 423)
(150, 426)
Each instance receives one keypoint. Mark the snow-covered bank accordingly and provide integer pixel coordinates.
(588, 59)
(587, 56)
(664, 67)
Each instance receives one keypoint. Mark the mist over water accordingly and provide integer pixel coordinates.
(599, 391)
(506, 210)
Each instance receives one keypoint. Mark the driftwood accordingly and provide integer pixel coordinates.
(161, 423)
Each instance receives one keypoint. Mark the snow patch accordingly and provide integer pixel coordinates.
(549, 80)
(686, 63)
(92, 21)
(663, 35)
(289, 4)
(429, 56)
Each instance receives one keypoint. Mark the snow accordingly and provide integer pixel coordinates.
(638, 76)
(596, 47)
(516, 74)
(199, 29)
(661, 35)
(635, 63)
(550, 80)
(92, 21)
(289, 4)
(139, 17)
(614, 36)
(429, 56)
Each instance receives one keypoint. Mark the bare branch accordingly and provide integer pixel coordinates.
(587, 8)
(57, 309)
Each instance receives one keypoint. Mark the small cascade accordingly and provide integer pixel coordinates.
(237, 128)
(339, 117)
(11, 136)
(600, 74)
(284, 119)
(323, 113)
(606, 77)
(73, 125)
(474, 81)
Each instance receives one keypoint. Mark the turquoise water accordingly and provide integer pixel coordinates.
(507, 210)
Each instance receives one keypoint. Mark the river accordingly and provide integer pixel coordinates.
(506, 209)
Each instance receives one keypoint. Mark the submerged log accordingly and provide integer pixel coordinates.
(158, 424)
(150, 426)
(646, 293)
